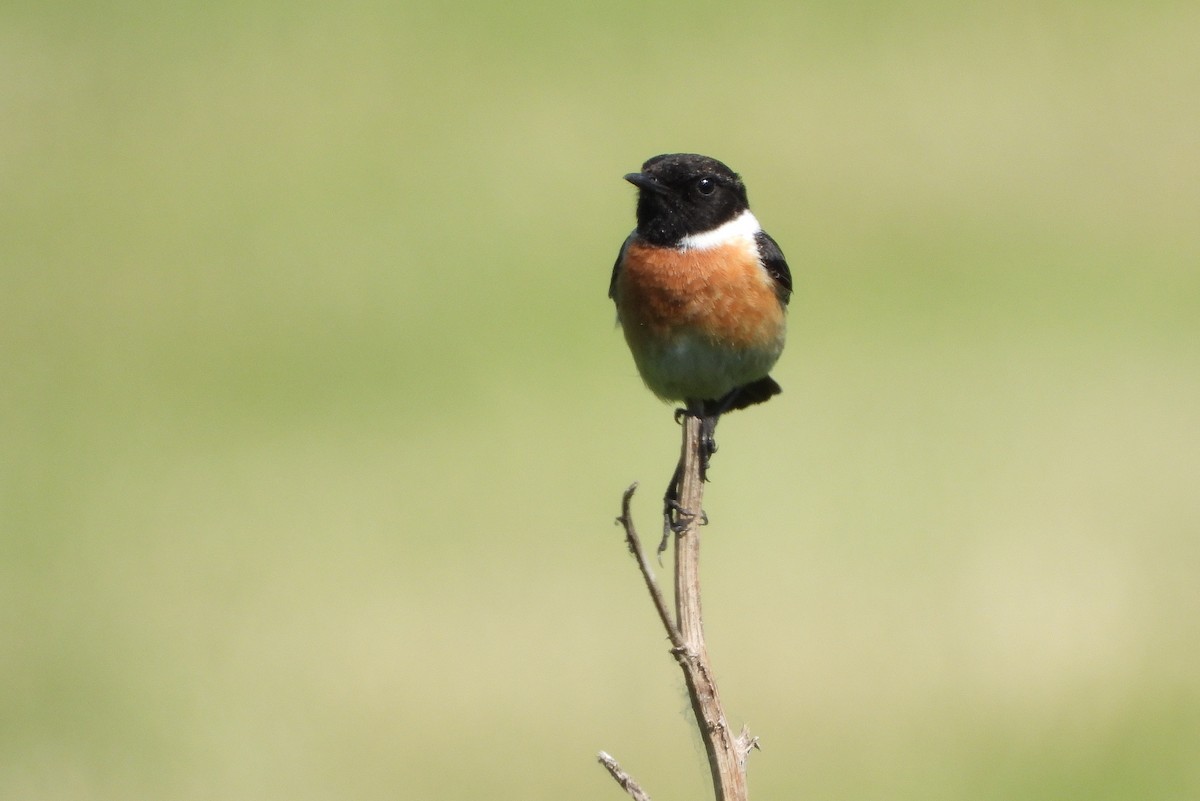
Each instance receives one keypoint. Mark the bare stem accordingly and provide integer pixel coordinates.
(726, 752)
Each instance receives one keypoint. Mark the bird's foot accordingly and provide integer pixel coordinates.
(708, 443)
(677, 520)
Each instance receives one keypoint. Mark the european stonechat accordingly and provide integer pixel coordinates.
(701, 290)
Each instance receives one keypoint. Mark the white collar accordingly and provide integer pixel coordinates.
(743, 226)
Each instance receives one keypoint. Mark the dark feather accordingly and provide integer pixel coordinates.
(777, 266)
(612, 283)
(759, 391)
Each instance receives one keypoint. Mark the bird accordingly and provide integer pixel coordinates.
(701, 293)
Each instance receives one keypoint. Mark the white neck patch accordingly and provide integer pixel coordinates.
(743, 226)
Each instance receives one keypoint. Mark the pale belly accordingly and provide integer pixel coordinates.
(693, 367)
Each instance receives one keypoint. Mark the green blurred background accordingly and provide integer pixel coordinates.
(314, 419)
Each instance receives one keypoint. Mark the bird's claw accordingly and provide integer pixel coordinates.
(676, 519)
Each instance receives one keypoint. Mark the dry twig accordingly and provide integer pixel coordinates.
(726, 752)
(622, 778)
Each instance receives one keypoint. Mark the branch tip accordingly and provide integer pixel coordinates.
(622, 778)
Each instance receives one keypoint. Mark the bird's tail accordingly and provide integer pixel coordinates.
(759, 391)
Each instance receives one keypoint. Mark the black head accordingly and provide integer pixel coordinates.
(684, 193)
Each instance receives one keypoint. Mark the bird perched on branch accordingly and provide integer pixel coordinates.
(701, 292)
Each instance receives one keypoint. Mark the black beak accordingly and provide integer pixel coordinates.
(643, 181)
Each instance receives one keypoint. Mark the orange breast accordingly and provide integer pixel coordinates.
(721, 293)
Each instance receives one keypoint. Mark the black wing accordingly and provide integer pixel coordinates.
(612, 284)
(772, 259)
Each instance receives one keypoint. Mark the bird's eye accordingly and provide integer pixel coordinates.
(706, 186)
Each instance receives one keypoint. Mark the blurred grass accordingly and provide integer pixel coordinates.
(314, 419)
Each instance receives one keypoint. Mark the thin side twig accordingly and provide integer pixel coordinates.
(622, 778)
(635, 548)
